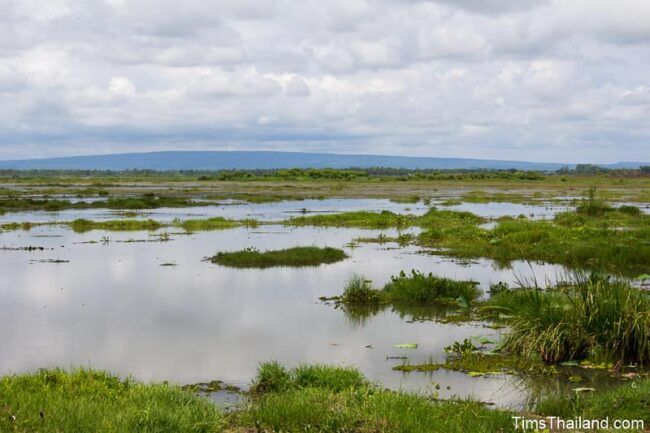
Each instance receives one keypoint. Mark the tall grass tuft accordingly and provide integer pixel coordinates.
(592, 316)
(359, 290)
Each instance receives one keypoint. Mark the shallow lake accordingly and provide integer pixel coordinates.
(277, 211)
(111, 305)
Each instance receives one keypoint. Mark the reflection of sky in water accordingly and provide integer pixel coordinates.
(285, 209)
(114, 307)
(495, 210)
(235, 210)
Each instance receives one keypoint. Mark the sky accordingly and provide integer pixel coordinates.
(537, 80)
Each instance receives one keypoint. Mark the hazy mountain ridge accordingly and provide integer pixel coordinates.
(222, 160)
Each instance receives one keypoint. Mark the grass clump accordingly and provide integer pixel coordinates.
(413, 289)
(216, 223)
(83, 225)
(591, 317)
(361, 219)
(359, 290)
(53, 401)
(422, 288)
(274, 377)
(615, 241)
(297, 256)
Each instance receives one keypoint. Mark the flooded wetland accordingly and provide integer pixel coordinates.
(420, 295)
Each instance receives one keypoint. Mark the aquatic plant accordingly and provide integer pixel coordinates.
(297, 256)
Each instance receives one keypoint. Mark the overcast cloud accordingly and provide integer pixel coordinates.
(543, 80)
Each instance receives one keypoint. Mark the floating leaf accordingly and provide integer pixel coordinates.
(407, 346)
(475, 374)
(482, 340)
(569, 364)
(575, 379)
(584, 389)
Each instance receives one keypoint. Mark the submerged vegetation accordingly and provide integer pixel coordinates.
(297, 256)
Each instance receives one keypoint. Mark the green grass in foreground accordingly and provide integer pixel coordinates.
(331, 399)
(591, 317)
(415, 289)
(309, 398)
(92, 401)
(297, 256)
(629, 401)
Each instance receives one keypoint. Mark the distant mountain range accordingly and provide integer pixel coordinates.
(222, 160)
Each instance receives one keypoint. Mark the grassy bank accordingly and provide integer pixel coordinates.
(84, 225)
(309, 398)
(297, 257)
(330, 399)
(629, 401)
(415, 288)
(91, 401)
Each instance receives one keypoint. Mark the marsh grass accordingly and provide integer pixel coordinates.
(614, 241)
(296, 257)
(53, 401)
(590, 317)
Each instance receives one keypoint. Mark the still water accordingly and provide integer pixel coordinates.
(110, 304)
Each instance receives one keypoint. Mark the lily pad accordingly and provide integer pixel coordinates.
(482, 340)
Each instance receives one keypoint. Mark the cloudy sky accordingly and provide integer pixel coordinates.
(542, 80)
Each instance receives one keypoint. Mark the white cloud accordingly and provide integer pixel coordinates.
(540, 79)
